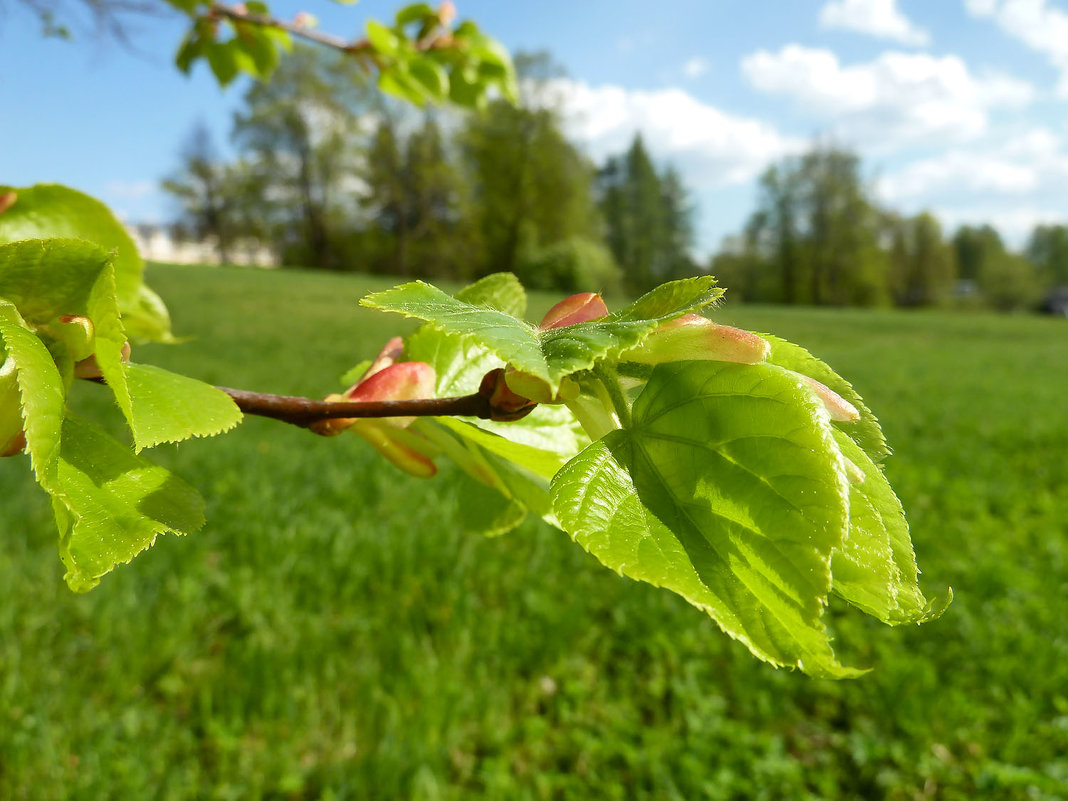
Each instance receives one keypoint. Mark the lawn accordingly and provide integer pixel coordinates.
(331, 634)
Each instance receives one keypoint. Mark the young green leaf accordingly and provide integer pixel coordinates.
(47, 211)
(501, 291)
(385, 41)
(111, 505)
(47, 278)
(728, 490)
(673, 299)
(547, 355)
(509, 339)
(168, 407)
(875, 567)
(41, 391)
(431, 77)
(416, 12)
(866, 431)
(482, 509)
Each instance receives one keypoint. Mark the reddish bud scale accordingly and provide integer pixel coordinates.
(580, 308)
(386, 380)
(837, 407)
(15, 446)
(505, 405)
(7, 200)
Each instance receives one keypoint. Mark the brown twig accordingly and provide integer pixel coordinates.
(336, 42)
(437, 37)
(305, 411)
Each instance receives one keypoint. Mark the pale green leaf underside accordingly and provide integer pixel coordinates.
(875, 567)
(540, 461)
(484, 510)
(111, 504)
(728, 491)
(168, 407)
(505, 476)
(866, 431)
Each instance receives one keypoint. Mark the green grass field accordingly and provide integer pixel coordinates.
(330, 634)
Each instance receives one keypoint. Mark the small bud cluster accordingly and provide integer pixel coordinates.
(388, 380)
(689, 337)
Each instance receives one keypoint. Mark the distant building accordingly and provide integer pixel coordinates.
(164, 243)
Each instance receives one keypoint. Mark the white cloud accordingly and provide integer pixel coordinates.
(131, 190)
(1038, 25)
(897, 98)
(695, 67)
(1027, 165)
(711, 147)
(879, 18)
(1015, 223)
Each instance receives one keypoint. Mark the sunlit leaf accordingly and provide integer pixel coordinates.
(168, 407)
(729, 491)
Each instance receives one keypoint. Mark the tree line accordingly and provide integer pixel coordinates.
(819, 237)
(333, 176)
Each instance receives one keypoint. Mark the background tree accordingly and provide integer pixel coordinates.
(922, 263)
(531, 187)
(204, 189)
(1005, 281)
(302, 130)
(1047, 249)
(648, 218)
(817, 225)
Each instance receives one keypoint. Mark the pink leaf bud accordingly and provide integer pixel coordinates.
(695, 337)
(304, 19)
(387, 356)
(580, 308)
(446, 13)
(7, 200)
(837, 407)
(400, 381)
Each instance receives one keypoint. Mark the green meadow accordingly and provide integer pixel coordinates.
(332, 634)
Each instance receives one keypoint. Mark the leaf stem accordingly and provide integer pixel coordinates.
(609, 378)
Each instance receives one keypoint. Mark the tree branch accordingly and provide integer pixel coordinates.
(437, 37)
(304, 411)
(336, 42)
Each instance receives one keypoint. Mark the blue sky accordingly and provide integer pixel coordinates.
(958, 106)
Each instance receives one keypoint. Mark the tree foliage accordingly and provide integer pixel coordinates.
(648, 218)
